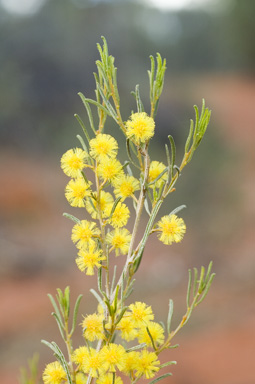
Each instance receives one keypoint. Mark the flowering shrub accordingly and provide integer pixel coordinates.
(118, 339)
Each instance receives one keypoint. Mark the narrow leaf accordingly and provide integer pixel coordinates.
(113, 278)
(178, 209)
(99, 299)
(60, 325)
(151, 338)
(206, 289)
(71, 217)
(121, 315)
(189, 288)
(54, 304)
(159, 176)
(128, 145)
(160, 378)
(88, 109)
(63, 362)
(170, 315)
(173, 346)
(146, 206)
(136, 347)
(83, 126)
(173, 154)
(75, 313)
(114, 206)
(195, 281)
(191, 130)
(82, 143)
(167, 364)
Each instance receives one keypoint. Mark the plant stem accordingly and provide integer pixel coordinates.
(139, 210)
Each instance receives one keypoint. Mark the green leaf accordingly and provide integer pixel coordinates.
(167, 364)
(208, 285)
(54, 304)
(82, 143)
(169, 168)
(170, 315)
(136, 347)
(67, 301)
(75, 313)
(151, 74)
(173, 154)
(160, 378)
(178, 209)
(99, 298)
(87, 106)
(146, 206)
(136, 94)
(195, 281)
(60, 325)
(173, 346)
(128, 146)
(63, 362)
(83, 128)
(189, 289)
(99, 280)
(109, 107)
(116, 202)
(159, 176)
(121, 315)
(113, 278)
(115, 302)
(151, 338)
(71, 217)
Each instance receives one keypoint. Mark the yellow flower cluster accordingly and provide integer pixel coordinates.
(113, 358)
(137, 323)
(101, 158)
(101, 205)
(95, 239)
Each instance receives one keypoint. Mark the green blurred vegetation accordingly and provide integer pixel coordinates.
(48, 57)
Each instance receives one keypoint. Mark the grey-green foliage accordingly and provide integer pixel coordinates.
(29, 375)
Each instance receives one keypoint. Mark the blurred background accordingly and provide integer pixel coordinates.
(47, 55)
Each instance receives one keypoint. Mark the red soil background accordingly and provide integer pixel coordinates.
(37, 256)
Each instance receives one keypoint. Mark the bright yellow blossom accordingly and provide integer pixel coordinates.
(109, 169)
(79, 355)
(155, 170)
(120, 216)
(113, 356)
(84, 233)
(93, 363)
(105, 204)
(127, 330)
(140, 127)
(119, 239)
(130, 362)
(156, 332)
(73, 162)
(125, 186)
(140, 314)
(103, 147)
(108, 379)
(54, 373)
(146, 364)
(171, 229)
(93, 327)
(80, 378)
(76, 191)
(89, 258)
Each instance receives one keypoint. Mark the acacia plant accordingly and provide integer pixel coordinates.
(121, 340)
